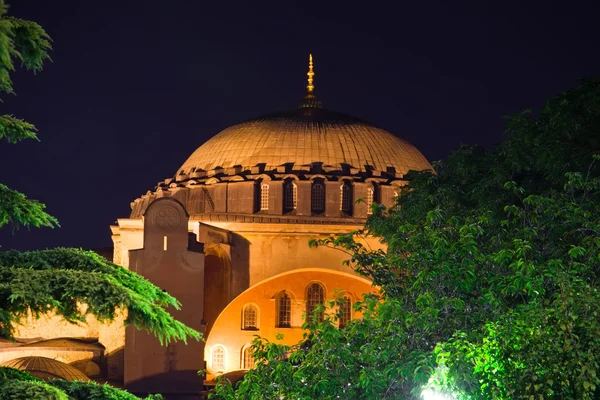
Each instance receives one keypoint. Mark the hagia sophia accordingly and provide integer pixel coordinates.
(227, 235)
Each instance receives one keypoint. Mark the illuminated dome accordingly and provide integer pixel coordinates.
(305, 136)
(301, 165)
(46, 368)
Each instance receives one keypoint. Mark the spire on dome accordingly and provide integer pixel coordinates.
(310, 100)
(311, 74)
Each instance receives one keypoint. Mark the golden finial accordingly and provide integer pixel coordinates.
(310, 87)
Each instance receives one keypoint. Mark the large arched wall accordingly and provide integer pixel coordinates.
(228, 331)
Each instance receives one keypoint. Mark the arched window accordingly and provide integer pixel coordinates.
(284, 311)
(317, 198)
(315, 295)
(250, 317)
(290, 195)
(346, 198)
(247, 359)
(370, 199)
(218, 358)
(264, 196)
(345, 311)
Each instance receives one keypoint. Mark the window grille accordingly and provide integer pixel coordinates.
(345, 198)
(284, 311)
(370, 196)
(290, 196)
(264, 196)
(248, 360)
(218, 358)
(345, 311)
(315, 295)
(318, 197)
(250, 317)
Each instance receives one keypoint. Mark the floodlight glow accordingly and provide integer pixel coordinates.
(429, 394)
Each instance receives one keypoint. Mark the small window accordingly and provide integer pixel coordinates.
(284, 311)
(317, 197)
(218, 359)
(290, 195)
(264, 197)
(370, 198)
(346, 198)
(250, 317)
(345, 311)
(247, 359)
(315, 295)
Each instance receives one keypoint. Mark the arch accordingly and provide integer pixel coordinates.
(212, 181)
(315, 296)
(247, 361)
(371, 198)
(250, 317)
(218, 358)
(316, 177)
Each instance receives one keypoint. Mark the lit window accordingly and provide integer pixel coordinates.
(396, 195)
(345, 311)
(290, 195)
(315, 295)
(250, 317)
(247, 359)
(370, 196)
(218, 359)
(318, 197)
(345, 198)
(264, 196)
(284, 311)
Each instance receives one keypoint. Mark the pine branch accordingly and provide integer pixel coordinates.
(17, 210)
(15, 130)
(60, 280)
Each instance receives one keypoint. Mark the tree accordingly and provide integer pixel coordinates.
(70, 283)
(489, 285)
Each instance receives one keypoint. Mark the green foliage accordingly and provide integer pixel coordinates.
(16, 374)
(60, 280)
(29, 390)
(17, 385)
(92, 391)
(489, 283)
(17, 210)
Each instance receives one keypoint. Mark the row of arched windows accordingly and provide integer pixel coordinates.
(317, 196)
(315, 296)
(218, 358)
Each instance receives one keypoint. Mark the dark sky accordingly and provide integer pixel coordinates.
(137, 86)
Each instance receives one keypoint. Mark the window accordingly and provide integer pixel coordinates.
(345, 311)
(264, 196)
(284, 311)
(218, 359)
(317, 197)
(247, 359)
(370, 197)
(250, 317)
(346, 198)
(315, 295)
(290, 195)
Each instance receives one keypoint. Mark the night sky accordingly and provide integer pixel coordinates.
(136, 86)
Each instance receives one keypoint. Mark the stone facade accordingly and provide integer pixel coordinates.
(228, 236)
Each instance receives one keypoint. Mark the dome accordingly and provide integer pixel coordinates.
(305, 136)
(46, 368)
